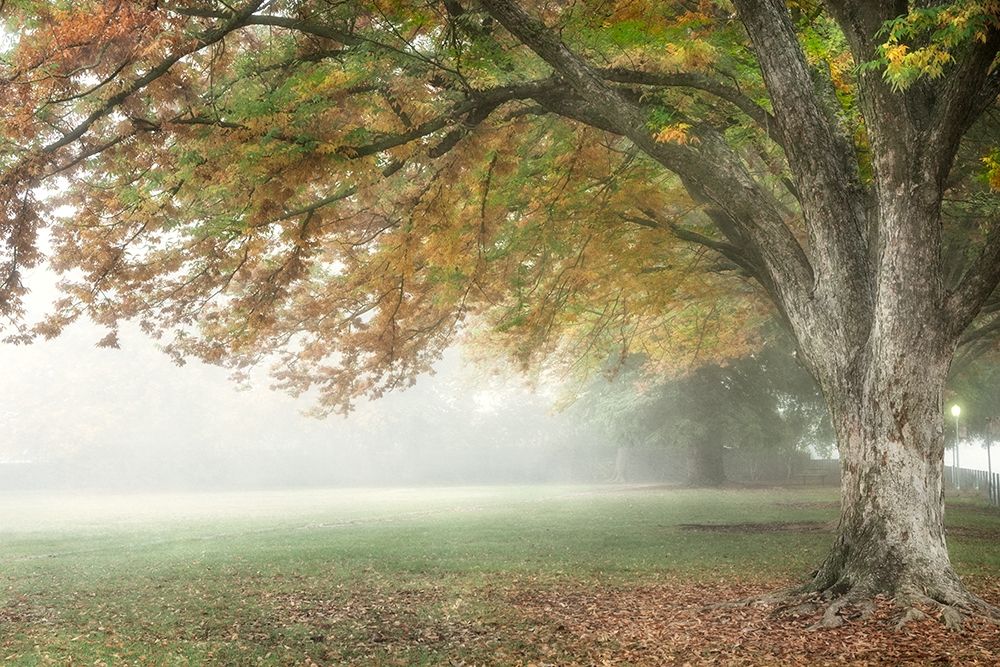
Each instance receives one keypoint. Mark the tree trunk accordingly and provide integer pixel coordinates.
(621, 465)
(891, 537)
(886, 404)
(705, 463)
(866, 300)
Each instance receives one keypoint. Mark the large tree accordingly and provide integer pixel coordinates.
(344, 182)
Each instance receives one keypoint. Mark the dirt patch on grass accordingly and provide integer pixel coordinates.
(814, 505)
(669, 625)
(756, 528)
(974, 532)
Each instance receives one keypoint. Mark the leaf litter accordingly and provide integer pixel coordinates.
(674, 624)
(671, 622)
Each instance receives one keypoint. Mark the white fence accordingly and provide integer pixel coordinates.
(966, 481)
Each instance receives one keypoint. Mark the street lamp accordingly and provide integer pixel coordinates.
(956, 412)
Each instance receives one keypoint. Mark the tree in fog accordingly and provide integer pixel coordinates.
(760, 404)
(974, 389)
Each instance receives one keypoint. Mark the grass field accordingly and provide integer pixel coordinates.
(491, 575)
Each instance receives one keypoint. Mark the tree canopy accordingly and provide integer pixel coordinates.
(344, 183)
(348, 184)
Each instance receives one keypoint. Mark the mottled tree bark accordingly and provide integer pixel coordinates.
(886, 403)
(891, 438)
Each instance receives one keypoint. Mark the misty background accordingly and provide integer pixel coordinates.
(74, 416)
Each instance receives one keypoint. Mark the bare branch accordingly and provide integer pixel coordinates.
(977, 284)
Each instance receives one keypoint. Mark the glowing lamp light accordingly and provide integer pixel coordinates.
(956, 410)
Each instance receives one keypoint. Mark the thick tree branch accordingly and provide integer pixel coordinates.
(703, 83)
(961, 101)
(987, 97)
(652, 220)
(468, 113)
(304, 26)
(718, 171)
(932, 114)
(471, 121)
(989, 329)
(311, 208)
(820, 156)
(861, 21)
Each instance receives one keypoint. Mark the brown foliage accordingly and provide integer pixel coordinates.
(314, 190)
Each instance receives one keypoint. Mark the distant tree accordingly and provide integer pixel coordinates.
(974, 389)
(763, 402)
(623, 410)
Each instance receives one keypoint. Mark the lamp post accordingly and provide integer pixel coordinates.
(956, 412)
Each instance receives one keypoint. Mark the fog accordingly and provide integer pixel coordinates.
(78, 417)
(73, 415)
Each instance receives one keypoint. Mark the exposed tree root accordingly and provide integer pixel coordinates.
(909, 616)
(844, 608)
(952, 606)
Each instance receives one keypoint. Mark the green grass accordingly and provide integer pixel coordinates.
(373, 576)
